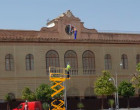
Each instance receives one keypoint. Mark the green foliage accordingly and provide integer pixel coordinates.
(27, 94)
(103, 86)
(138, 67)
(43, 92)
(111, 102)
(7, 98)
(45, 106)
(80, 105)
(136, 78)
(126, 89)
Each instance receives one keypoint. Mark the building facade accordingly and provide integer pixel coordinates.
(25, 55)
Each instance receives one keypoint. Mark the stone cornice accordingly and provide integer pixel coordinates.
(53, 36)
(56, 40)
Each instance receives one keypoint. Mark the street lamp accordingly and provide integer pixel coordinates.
(116, 100)
(117, 96)
(116, 85)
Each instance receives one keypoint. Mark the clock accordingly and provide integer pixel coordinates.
(71, 30)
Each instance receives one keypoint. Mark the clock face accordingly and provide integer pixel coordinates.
(69, 29)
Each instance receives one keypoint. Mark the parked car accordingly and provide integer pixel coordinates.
(35, 105)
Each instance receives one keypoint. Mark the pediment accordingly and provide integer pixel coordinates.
(57, 27)
(65, 16)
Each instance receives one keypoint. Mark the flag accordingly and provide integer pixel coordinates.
(75, 33)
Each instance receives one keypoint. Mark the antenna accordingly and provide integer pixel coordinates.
(48, 20)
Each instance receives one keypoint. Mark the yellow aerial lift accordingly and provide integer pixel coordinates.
(58, 76)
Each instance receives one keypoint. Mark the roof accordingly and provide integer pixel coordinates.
(57, 33)
(17, 34)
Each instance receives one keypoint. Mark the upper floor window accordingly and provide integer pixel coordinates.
(138, 58)
(88, 62)
(52, 59)
(124, 61)
(9, 62)
(108, 64)
(29, 62)
(71, 58)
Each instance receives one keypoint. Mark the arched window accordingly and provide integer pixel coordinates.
(124, 61)
(29, 62)
(52, 59)
(138, 58)
(108, 64)
(9, 62)
(71, 58)
(88, 62)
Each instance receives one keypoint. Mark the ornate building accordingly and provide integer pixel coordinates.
(25, 55)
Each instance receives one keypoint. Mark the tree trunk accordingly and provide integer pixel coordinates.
(128, 102)
(102, 107)
(7, 105)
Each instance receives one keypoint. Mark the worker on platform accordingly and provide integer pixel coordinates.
(68, 70)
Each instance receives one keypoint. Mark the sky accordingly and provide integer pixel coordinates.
(102, 15)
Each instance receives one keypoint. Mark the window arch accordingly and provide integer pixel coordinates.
(71, 58)
(108, 63)
(52, 59)
(29, 62)
(9, 62)
(124, 61)
(137, 58)
(88, 62)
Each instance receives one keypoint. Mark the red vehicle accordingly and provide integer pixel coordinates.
(35, 105)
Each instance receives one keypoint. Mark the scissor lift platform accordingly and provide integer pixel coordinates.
(58, 76)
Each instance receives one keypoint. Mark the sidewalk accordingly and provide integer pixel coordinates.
(129, 109)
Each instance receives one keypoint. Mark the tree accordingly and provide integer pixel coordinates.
(45, 106)
(126, 89)
(27, 94)
(103, 86)
(80, 105)
(8, 99)
(43, 93)
(136, 77)
(111, 102)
